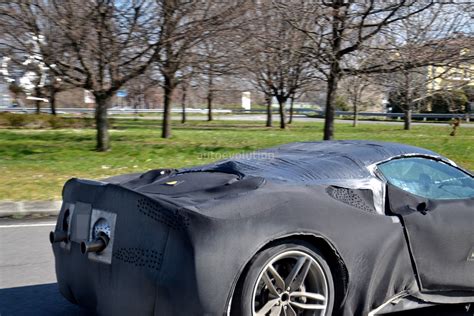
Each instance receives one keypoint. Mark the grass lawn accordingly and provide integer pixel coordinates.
(34, 163)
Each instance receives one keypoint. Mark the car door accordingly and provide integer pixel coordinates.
(435, 202)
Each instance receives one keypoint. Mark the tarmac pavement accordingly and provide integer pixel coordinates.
(28, 282)
(27, 278)
(297, 118)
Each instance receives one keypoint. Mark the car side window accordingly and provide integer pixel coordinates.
(428, 178)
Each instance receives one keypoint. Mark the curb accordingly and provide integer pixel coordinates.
(22, 208)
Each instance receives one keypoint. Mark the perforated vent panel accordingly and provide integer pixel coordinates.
(140, 257)
(173, 220)
(350, 197)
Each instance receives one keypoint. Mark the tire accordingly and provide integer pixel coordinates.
(254, 293)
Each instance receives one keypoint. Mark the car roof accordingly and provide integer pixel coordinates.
(316, 161)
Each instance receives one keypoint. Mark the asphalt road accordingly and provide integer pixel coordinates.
(297, 118)
(27, 278)
(28, 283)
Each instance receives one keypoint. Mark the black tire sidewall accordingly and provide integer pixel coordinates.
(264, 257)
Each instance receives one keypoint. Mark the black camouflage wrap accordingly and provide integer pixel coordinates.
(182, 238)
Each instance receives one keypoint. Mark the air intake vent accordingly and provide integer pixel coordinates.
(140, 257)
(355, 198)
(174, 220)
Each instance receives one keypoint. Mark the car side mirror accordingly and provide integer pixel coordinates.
(422, 208)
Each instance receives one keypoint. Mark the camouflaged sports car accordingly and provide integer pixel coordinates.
(311, 228)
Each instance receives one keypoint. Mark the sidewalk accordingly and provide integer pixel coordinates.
(22, 208)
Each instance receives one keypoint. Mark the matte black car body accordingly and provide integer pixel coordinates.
(182, 238)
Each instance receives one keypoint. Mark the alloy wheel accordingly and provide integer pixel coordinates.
(292, 283)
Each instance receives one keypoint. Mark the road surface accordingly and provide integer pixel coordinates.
(27, 280)
(297, 118)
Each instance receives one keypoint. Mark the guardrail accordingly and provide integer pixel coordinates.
(319, 113)
(402, 115)
(110, 111)
(310, 112)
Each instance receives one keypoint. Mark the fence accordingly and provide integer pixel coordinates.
(130, 111)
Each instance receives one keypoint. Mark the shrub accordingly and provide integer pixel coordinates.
(454, 101)
(56, 122)
(15, 120)
(342, 104)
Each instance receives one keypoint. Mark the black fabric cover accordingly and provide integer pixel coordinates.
(441, 235)
(312, 161)
(183, 237)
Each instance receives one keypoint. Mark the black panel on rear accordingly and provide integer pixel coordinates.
(188, 182)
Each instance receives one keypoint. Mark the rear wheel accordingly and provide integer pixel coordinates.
(290, 279)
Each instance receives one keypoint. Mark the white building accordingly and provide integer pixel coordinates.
(5, 98)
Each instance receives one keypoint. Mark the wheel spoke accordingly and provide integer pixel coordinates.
(278, 279)
(268, 282)
(299, 278)
(290, 311)
(294, 272)
(308, 306)
(276, 311)
(312, 296)
(267, 307)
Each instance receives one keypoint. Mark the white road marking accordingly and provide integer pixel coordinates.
(28, 225)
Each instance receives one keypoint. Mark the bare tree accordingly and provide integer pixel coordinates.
(33, 78)
(16, 91)
(292, 104)
(185, 25)
(261, 86)
(273, 56)
(216, 60)
(94, 45)
(186, 84)
(52, 88)
(184, 91)
(354, 88)
(138, 88)
(410, 90)
(343, 28)
(413, 48)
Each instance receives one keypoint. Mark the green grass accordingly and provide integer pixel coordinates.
(34, 163)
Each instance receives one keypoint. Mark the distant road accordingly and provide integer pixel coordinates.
(28, 282)
(297, 118)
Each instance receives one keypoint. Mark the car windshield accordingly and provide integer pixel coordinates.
(428, 178)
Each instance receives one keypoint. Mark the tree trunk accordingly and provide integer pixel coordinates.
(333, 81)
(291, 110)
(136, 103)
(408, 102)
(52, 101)
(38, 102)
(168, 92)
(335, 70)
(183, 104)
(356, 116)
(209, 105)
(102, 123)
(268, 100)
(209, 98)
(407, 119)
(281, 103)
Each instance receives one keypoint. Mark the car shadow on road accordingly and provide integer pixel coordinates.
(37, 300)
(45, 300)
(443, 310)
